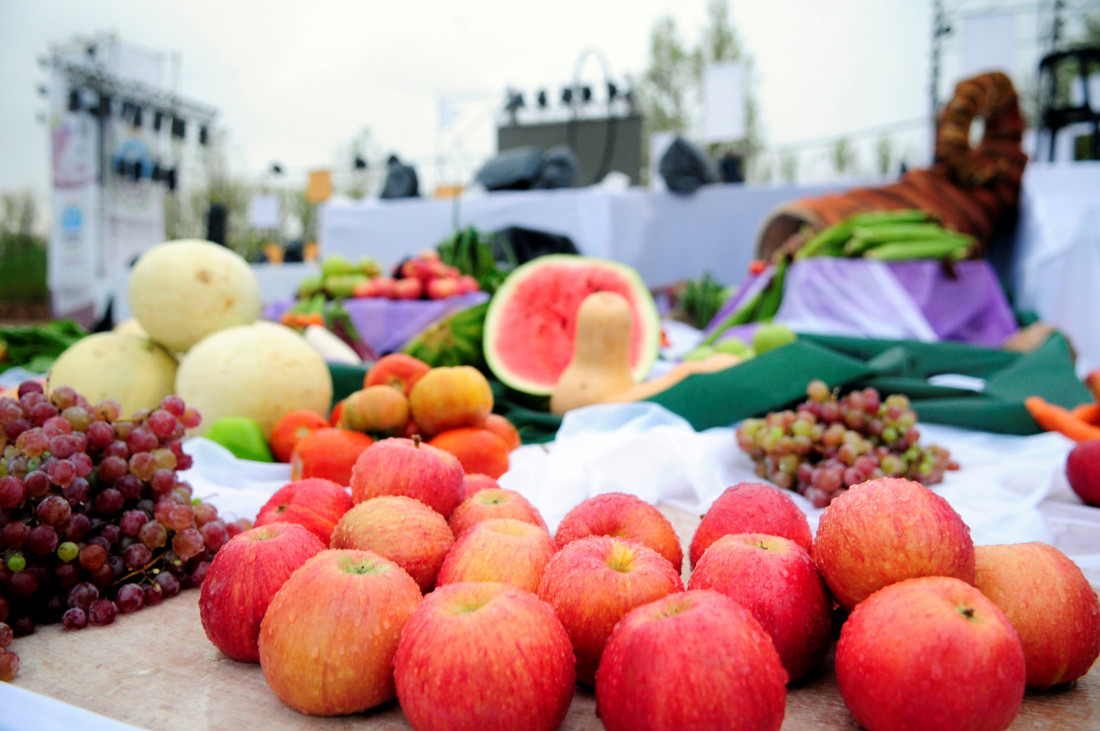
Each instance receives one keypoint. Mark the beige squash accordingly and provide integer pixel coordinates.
(600, 366)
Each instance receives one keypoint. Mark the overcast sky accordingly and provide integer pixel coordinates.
(298, 82)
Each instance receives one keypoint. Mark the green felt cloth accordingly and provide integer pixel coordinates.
(777, 380)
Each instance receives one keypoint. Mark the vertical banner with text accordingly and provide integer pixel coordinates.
(73, 254)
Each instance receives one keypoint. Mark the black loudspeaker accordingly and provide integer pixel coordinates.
(215, 223)
(515, 245)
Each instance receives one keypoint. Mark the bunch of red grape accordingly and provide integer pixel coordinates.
(830, 442)
(94, 519)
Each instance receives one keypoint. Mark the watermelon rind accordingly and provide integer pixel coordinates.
(553, 287)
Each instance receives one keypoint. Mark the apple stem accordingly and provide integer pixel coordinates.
(416, 440)
(968, 612)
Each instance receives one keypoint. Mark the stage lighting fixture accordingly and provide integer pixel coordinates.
(74, 100)
(276, 168)
(515, 101)
(586, 94)
(542, 98)
(204, 137)
(567, 95)
(612, 90)
(360, 163)
(158, 120)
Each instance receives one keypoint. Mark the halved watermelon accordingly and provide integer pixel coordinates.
(530, 325)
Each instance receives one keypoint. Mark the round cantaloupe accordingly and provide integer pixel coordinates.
(260, 371)
(181, 291)
(130, 369)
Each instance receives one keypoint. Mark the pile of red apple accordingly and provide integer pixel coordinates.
(447, 592)
(424, 276)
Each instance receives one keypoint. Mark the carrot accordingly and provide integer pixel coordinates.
(1052, 417)
(1088, 413)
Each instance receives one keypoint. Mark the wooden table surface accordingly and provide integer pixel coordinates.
(157, 670)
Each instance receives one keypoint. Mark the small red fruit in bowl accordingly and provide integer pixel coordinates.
(1083, 471)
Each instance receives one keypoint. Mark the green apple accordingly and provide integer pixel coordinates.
(699, 352)
(771, 335)
(335, 265)
(734, 346)
(242, 436)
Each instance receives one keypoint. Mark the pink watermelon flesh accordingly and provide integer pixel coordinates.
(532, 337)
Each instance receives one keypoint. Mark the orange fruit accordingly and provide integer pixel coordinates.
(479, 450)
(503, 428)
(289, 428)
(329, 453)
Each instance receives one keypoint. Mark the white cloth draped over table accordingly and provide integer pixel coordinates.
(1010, 489)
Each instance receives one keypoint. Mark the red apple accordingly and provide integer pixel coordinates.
(468, 284)
(399, 466)
(363, 289)
(383, 286)
(1049, 601)
(776, 580)
(476, 481)
(329, 636)
(314, 502)
(244, 575)
(503, 550)
(444, 287)
(592, 582)
(400, 528)
(693, 659)
(399, 370)
(751, 507)
(624, 516)
(478, 655)
(1083, 471)
(491, 503)
(886, 530)
(407, 289)
(930, 653)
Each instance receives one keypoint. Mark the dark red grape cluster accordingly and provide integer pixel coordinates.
(831, 442)
(94, 519)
